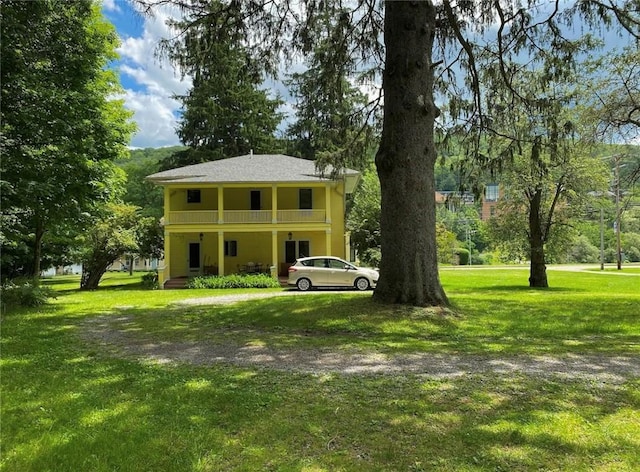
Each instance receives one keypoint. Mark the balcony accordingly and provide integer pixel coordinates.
(201, 217)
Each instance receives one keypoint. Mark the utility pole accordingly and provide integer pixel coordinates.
(469, 242)
(617, 177)
(601, 238)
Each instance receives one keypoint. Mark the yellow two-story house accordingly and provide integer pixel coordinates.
(253, 213)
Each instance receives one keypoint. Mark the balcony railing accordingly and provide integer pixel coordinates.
(192, 217)
(245, 217)
(301, 216)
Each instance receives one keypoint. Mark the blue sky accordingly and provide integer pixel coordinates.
(149, 82)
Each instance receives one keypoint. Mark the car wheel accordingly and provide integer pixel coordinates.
(362, 283)
(303, 284)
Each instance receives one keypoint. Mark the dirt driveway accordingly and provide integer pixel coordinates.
(112, 335)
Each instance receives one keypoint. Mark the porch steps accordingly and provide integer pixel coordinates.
(176, 283)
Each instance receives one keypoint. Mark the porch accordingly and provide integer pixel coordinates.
(191, 254)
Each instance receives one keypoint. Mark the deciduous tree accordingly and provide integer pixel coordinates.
(61, 126)
(363, 221)
(406, 43)
(111, 234)
(545, 158)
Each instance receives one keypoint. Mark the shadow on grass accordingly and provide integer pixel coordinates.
(66, 409)
(525, 288)
(66, 406)
(476, 326)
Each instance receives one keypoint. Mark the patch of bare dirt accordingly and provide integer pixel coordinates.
(111, 335)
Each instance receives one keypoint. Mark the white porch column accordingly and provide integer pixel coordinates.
(274, 204)
(164, 273)
(327, 198)
(220, 252)
(220, 205)
(327, 240)
(167, 205)
(274, 250)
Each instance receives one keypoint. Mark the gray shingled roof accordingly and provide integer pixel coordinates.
(263, 168)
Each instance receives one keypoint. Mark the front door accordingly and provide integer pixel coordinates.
(194, 258)
(289, 252)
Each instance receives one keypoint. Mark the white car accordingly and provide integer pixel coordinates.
(329, 271)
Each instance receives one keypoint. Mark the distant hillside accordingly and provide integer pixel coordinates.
(140, 192)
(150, 155)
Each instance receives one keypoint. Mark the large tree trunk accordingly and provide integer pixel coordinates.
(538, 267)
(92, 272)
(406, 159)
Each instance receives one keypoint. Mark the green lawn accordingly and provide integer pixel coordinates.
(70, 406)
(626, 269)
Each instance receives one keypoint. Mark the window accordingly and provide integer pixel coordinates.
(305, 198)
(314, 263)
(333, 264)
(303, 249)
(491, 193)
(255, 200)
(296, 249)
(193, 196)
(231, 248)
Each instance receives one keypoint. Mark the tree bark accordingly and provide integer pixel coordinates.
(91, 274)
(538, 268)
(406, 158)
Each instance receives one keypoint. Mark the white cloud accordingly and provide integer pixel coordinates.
(156, 81)
(110, 5)
(156, 119)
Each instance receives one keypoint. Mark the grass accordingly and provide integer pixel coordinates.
(69, 406)
(625, 269)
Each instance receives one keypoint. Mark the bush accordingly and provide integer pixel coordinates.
(370, 257)
(463, 256)
(24, 293)
(234, 281)
(582, 251)
(150, 280)
(486, 258)
(477, 259)
(633, 254)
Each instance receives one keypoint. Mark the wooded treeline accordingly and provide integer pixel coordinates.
(460, 94)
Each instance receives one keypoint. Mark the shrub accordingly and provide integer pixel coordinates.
(234, 281)
(371, 257)
(477, 259)
(631, 246)
(583, 251)
(633, 254)
(463, 256)
(24, 293)
(150, 280)
(486, 258)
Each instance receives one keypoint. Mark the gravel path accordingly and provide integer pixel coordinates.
(113, 335)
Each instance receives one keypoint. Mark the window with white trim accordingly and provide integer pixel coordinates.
(231, 248)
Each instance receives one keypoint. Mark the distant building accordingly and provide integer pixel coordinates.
(453, 200)
(490, 201)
